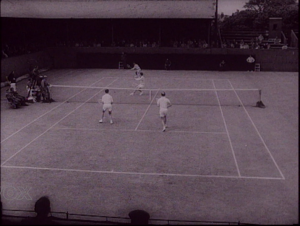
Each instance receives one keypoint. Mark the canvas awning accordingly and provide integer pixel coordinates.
(195, 9)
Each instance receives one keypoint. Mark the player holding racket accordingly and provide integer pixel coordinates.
(107, 102)
(138, 70)
(140, 85)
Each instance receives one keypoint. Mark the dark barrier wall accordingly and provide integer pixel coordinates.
(157, 61)
(152, 58)
(182, 58)
(21, 64)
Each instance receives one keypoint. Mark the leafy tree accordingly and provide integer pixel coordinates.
(263, 6)
(242, 20)
(257, 13)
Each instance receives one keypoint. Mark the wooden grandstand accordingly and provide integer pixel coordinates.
(249, 36)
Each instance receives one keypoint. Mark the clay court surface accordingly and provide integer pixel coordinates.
(221, 158)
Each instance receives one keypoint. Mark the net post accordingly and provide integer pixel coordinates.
(260, 104)
(260, 95)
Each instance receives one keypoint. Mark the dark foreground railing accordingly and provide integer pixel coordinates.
(69, 218)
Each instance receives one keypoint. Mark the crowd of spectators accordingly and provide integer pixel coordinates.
(17, 49)
(105, 43)
(241, 44)
(259, 42)
(9, 50)
(182, 43)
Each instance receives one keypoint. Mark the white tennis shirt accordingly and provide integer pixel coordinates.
(136, 67)
(163, 103)
(141, 81)
(107, 99)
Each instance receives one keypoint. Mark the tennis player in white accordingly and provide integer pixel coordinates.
(140, 86)
(107, 102)
(163, 103)
(138, 70)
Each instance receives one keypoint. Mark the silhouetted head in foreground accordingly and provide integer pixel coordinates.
(42, 207)
(139, 217)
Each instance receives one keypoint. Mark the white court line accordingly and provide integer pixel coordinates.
(259, 134)
(54, 124)
(39, 116)
(136, 173)
(207, 79)
(236, 164)
(140, 130)
(153, 89)
(146, 110)
(181, 131)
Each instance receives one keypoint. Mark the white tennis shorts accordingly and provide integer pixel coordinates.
(163, 112)
(107, 107)
(140, 86)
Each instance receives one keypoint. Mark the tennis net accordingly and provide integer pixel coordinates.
(205, 97)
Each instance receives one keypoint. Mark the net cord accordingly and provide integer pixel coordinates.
(166, 89)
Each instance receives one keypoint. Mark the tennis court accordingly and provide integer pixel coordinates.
(221, 158)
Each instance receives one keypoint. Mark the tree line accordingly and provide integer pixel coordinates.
(257, 13)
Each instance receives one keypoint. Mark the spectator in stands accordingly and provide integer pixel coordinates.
(42, 209)
(222, 65)
(250, 60)
(266, 35)
(167, 64)
(183, 44)
(12, 80)
(98, 44)
(260, 38)
(284, 47)
(224, 45)
(205, 45)
(44, 89)
(131, 44)
(34, 73)
(190, 43)
(242, 44)
(236, 44)
(276, 40)
(33, 77)
(256, 45)
(154, 44)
